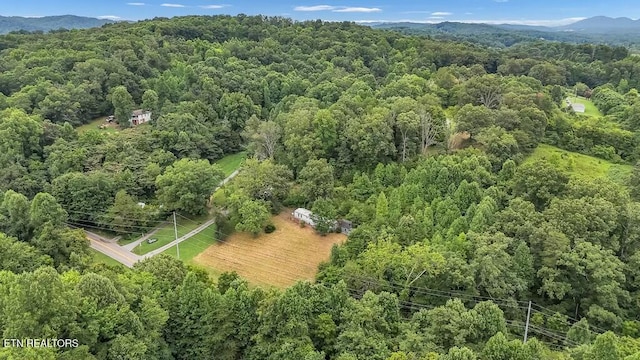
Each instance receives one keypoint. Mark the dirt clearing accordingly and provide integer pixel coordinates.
(279, 259)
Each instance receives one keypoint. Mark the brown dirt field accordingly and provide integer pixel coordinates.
(279, 259)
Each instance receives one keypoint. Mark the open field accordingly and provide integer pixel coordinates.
(589, 108)
(166, 234)
(100, 258)
(94, 125)
(231, 163)
(582, 165)
(196, 244)
(279, 259)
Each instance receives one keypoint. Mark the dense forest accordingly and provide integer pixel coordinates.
(425, 145)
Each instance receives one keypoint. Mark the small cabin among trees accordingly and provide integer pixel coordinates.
(140, 117)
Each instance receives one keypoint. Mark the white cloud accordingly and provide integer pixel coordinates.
(314, 8)
(441, 13)
(358, 9)
(136, 4)
(109, 17)
(214, 6)
(436, 17)
(173, 5)
(340, 9)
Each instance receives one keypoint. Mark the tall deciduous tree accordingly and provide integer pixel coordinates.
(187, 185)
(263, 137)
(150, 102)
(264, 180)
(316, 179)
(253, 215)
(122, 104)
(539, 182)
(324, 215)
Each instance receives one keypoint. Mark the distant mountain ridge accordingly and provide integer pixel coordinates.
(48, 23)
(603, 24)
(599, 29)
(593, 25)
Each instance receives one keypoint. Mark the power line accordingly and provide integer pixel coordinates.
(511, 303)
(110, 226)
(107, 216)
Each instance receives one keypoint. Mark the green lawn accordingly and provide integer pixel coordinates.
(166, 234)
(95, 124)
(195, 245)
(100, 258)
(582, 165)
(589, 108)
(129, 238)
(231, 163)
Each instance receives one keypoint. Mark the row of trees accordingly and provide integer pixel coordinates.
(164, 310)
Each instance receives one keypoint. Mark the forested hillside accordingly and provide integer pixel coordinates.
(500, 36)
(425, 146)
(48, 23)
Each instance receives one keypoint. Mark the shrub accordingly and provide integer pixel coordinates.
(269, 228)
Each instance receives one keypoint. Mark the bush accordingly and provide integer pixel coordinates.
(302, 223)
(269, 228)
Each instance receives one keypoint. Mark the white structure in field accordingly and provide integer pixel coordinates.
(140, 117)
(304, 215)
(579, 108)
(307, 217)
(576, 106)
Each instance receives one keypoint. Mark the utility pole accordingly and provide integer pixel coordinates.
(526, 329)
(175, 229)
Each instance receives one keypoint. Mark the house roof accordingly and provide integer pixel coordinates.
(139, 112)
(303, 211)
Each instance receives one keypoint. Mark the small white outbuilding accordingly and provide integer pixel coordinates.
(303, 215)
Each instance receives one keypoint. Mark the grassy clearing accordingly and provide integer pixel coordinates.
(231, 163)
(196, 244)
(581, 165)
(589, 108)
(129, 238)
(100, 258)
(166, 233)
(279, 259)
(95, 125)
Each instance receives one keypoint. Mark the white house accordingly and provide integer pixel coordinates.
(308, 217)
(140, 117)
(304, 215)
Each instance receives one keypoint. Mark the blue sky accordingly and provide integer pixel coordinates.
(537, 12)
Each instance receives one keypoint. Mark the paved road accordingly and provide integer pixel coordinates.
(124, 255)
(180, 239)
(132, 245)
(227, 179)
(113, 250)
